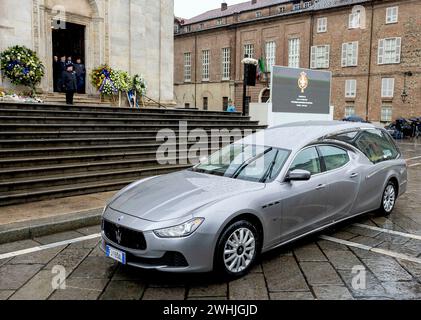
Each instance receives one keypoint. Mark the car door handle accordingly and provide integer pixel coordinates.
(354, 175)
(321, 187)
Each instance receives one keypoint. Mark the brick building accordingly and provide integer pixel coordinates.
(372, 48)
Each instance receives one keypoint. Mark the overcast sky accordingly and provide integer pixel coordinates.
(190, 8)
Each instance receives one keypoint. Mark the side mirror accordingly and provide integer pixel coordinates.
(298, 175)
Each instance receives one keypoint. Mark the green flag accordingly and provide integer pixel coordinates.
(262, 65)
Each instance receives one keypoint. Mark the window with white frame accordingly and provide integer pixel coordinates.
(296, 6)
(349, 111)
(205, 65)
(386, 114)
(350, 88)
(307, 4)
(350, 54)
(249, 50)
(219, 22)
(226, 63)
(389, 51)
(321, 25)
(270, 55)
(258, 14)
(281, 9)
(294, 53)
(355, 19)
(392, 14)
(320, 57)
(388, 87)
(187, 67)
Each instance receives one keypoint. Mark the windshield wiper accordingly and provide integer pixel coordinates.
(270, 169)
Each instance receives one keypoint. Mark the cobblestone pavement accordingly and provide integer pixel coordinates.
(313, 268)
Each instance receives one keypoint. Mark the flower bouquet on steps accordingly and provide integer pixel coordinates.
(22, 66)
(138, 89)
(103, 79)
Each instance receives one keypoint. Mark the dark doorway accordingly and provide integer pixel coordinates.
(68, 42)
(205, 103)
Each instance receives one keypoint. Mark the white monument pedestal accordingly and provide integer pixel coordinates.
(263, 113)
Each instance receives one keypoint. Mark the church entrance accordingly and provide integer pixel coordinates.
(69, 43)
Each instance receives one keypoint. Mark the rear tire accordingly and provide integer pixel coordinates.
(389, 198)
(237, 249)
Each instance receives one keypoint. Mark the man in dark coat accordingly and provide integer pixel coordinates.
(80, 75)
(61, 68)
(69, 83)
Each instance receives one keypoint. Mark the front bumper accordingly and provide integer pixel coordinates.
(190, 254)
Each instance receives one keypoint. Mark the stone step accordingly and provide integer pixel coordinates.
(43, 193)
(121, 121)
(79, 150)
(110, 114)
(12, 144)
(28, 183)
(96, 108)
(21, 127)
(11, 174)
(35, 162)
(30, 135)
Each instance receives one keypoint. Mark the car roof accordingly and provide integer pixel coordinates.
(295, 136)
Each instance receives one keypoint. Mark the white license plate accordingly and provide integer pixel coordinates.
(115, 254)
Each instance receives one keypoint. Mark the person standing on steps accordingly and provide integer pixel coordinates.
(61, 68)
(69, 83)
(80, 75)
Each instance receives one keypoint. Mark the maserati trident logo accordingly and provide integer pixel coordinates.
(118, 236)
(303, 82)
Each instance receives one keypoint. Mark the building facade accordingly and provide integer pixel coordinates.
(370, 47)
(132, 35)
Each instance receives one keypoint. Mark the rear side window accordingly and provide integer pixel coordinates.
(333, 157)
(308, 160)
(374, 143)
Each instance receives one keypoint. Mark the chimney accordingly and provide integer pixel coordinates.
(224, 6)
(253, 1)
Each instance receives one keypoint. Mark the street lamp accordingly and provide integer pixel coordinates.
(404, 94)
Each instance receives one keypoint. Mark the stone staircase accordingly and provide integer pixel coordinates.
(79, 99)
(53, 150)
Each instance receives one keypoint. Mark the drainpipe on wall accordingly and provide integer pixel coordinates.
(367, 109)
(195, 70)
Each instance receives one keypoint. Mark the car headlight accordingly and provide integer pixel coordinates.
(180, 231)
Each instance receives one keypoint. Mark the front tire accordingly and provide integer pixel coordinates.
(237, 249)
(389, 198)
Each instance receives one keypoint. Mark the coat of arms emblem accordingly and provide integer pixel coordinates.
(303, 82)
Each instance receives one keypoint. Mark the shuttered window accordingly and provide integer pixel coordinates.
(389, 51)
(350, 54)
(320, 57)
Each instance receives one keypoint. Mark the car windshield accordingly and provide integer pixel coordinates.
(245, 162)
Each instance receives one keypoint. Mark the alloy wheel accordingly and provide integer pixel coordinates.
(239, 250)
(389, 198)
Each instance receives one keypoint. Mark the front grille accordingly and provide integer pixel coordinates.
(124, 237)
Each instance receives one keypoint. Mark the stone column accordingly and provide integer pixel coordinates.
(166, 79)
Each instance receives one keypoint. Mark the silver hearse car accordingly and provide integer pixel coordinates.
(257, 194)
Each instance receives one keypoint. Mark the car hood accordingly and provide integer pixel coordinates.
(176, 195)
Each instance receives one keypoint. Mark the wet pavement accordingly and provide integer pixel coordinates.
(363, 261)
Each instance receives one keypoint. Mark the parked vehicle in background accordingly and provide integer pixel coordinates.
(257, 194)
(402, 128)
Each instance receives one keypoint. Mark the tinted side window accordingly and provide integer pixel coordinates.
(307, 159)
(374, 143)
(333, 157)
(376, 146)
